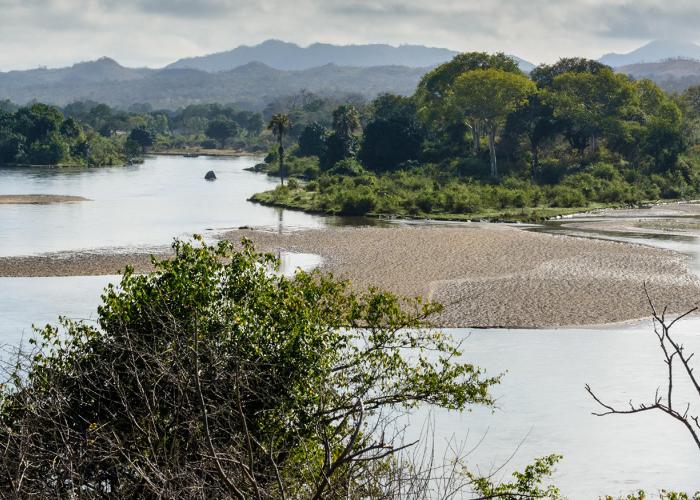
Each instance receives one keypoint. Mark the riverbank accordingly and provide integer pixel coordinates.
(303, 201)
(38, 199)
(485, 275)
(193, 152)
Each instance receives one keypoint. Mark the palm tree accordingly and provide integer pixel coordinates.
(346, 120)
(279, 125)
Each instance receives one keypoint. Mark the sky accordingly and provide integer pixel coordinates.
(153, 33)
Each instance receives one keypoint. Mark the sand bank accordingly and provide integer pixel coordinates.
(38, 199)
(485, 275)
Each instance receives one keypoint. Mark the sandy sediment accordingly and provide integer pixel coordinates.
(485, 275)
(494, 275)
(38, 199)
(75, 264)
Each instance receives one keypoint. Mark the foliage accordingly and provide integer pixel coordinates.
(42, 135)
(527, 484)
(394, 136)
(221, 130)
(214, 377)
(312, 141)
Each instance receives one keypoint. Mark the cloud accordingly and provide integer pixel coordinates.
(649, 19)
(156, 32)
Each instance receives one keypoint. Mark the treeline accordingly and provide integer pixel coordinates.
(42, 135)
(479, 135)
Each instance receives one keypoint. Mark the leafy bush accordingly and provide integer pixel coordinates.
(566, 197)
(228, 380)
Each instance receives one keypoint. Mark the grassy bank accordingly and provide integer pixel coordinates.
(298, 198)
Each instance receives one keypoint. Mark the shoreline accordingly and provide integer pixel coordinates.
(486, 275)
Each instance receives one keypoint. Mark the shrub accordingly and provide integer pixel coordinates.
(358, 202)
(226, 379)
(566, 197)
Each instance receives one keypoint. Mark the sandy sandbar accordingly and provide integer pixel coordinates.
(38, 199)
(486, 275)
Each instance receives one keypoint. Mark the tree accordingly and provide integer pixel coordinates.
(221, 130)
(588, 104)
(142, 137)
(536, 121)
(342, 143)
(545, 74)
(217, 378)
(394, 134)
(279, 126)
(312, 140)
(650, 128)
(673, 352)
(436, 87)
(346, 120)
(487, 97)
(387, 144)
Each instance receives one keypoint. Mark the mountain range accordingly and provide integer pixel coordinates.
(653, 52)
(252, 85)
(254, 76)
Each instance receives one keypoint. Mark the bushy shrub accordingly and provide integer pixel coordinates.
(358, 202)
(349, 166)
(566, 197)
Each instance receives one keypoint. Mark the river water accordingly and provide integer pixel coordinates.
(542, 405)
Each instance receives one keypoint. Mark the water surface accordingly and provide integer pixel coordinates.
(541, 402)
(137, 206)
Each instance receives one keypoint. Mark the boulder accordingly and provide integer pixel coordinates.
(211, 176)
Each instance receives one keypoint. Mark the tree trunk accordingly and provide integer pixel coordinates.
(535, 164)
(594, 145)
(476, 137)
(492, 151)
(280, 151)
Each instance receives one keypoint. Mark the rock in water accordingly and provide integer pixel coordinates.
(211, 176)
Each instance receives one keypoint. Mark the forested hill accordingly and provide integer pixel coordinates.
(673, 75)
(289, 56)
(252, 85)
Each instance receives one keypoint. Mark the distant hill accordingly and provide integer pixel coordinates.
(673, 75)
(104, 69)
(289, 56)
(251, 76)
(252, 85)
(656, 51)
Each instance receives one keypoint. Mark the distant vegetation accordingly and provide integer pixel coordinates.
(479, 138)
(42, 135)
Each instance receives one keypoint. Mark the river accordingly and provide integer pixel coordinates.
(542, 405)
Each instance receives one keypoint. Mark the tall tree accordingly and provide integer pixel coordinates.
(312, 140)
(535, 120)
(436, 86)
(487, 97)
(279, 126)
(589, 104)
(346, 120)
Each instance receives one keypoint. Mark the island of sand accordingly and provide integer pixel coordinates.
(485, 275)
(38, 199)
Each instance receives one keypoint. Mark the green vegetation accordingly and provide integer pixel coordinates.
(216, 378)
(481, 139)
(42, 135)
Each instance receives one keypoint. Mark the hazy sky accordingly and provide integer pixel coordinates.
(156, 32)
